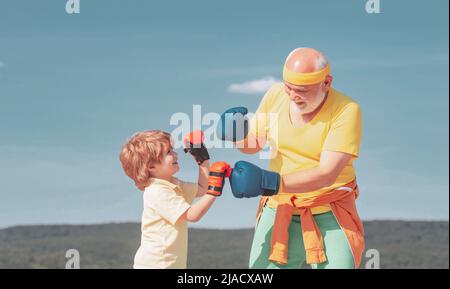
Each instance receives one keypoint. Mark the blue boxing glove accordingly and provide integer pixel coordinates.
(248, 180)
(233, 125)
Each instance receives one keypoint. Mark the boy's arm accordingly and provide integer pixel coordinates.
(203, 171)
(215, 182)
(197, 210)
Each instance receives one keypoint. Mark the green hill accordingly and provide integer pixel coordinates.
(401, 245)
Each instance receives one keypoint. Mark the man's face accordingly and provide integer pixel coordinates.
(307, 97)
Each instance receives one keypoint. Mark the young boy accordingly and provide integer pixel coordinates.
(148, 159)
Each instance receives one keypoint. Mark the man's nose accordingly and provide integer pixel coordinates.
(295, 96)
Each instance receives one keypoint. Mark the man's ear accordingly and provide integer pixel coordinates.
(327, 82)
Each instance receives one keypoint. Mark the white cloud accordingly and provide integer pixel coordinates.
(253, 86)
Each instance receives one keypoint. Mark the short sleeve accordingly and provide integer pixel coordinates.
(345, 132)
(167, 203)
(190, 190)
(259, 121)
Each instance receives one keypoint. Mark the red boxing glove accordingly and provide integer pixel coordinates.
(216, 180)
(193, 143)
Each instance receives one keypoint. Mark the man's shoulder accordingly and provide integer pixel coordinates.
(277, 87)
(342, 102)
(273, 94)
(341, 98)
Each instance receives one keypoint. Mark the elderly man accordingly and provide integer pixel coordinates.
(307, 210)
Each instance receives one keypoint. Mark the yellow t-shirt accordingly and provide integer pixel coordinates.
(336, 127)
(164, 239)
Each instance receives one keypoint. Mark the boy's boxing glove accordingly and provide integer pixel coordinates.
(216, 180)
(193, 143)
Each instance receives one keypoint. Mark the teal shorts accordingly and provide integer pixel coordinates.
(337, 248)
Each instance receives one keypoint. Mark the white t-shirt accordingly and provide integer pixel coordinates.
(164, 239)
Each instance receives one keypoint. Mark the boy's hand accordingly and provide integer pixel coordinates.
(217, 174)
(193, 143)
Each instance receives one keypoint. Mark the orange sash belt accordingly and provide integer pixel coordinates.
(342, 202)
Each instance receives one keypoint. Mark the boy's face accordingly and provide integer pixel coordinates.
(167, 167)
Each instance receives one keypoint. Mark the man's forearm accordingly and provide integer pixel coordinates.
(248, 150)
(250, 145)
(306, 181)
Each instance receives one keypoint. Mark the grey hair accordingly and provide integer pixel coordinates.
(321, 62)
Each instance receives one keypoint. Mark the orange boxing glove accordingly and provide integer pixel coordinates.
(216, 180)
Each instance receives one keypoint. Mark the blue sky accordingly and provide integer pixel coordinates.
(74, 87)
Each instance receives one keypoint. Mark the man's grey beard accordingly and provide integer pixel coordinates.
(310, 107)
